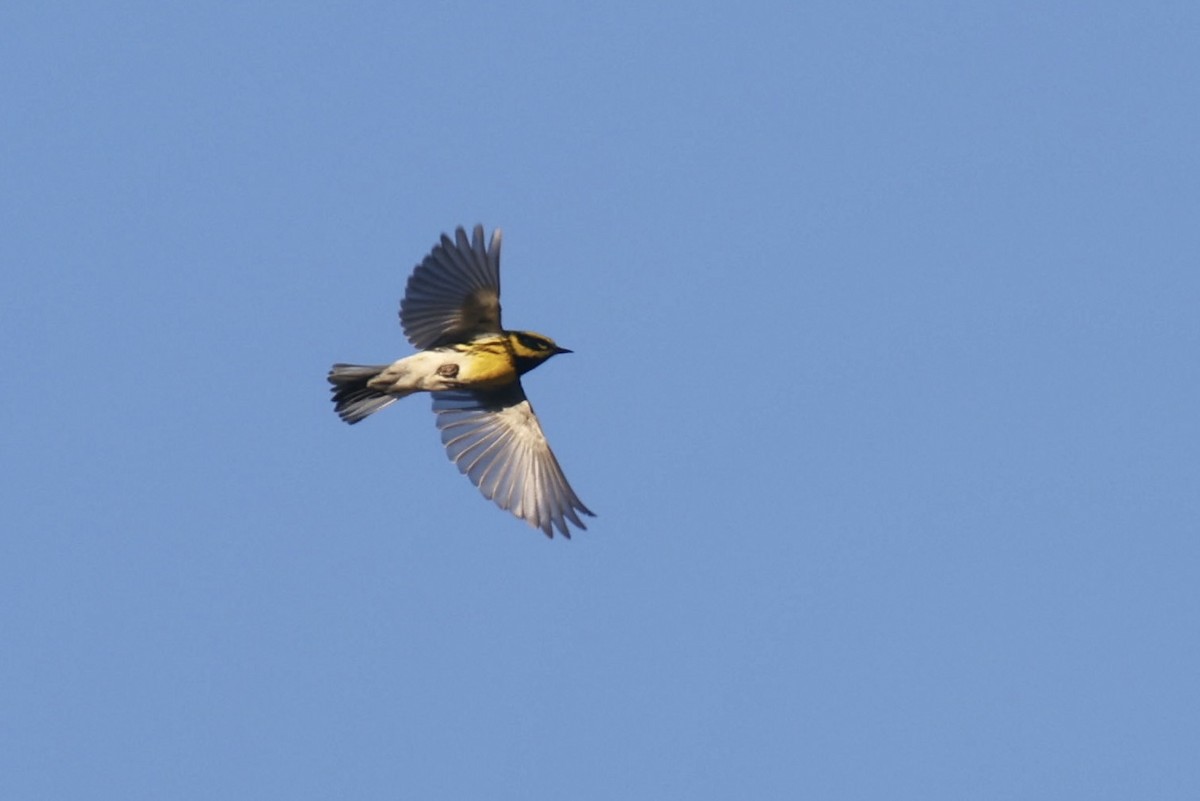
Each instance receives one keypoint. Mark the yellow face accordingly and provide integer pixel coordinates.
(532, 349)
(530, 345)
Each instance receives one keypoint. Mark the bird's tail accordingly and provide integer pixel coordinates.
(353, 398)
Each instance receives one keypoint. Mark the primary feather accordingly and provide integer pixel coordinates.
(497, 442)
(454, 293)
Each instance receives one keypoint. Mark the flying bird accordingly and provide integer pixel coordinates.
(472, 367)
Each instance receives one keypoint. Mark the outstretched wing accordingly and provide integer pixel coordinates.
(453, 295)
(496, 441)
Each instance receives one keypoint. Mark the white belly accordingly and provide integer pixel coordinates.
(427, 371)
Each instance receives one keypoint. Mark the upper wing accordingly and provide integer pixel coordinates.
(496, 440)
(454, 293)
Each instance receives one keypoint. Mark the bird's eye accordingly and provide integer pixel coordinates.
(533, 344)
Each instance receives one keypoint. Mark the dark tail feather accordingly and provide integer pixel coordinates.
(353, 398)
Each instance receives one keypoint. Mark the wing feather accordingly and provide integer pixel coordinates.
(496, 441)
(453, 295)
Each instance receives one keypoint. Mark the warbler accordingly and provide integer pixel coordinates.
(472, 366)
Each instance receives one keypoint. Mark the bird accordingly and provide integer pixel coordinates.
(472, 367)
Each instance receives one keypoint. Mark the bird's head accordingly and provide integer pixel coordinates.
(532, 349)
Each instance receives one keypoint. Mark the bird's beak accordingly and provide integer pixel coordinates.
(562, 350)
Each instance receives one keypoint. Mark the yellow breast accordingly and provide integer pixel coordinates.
(487, 365)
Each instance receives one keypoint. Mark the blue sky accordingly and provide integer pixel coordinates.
(884, 389)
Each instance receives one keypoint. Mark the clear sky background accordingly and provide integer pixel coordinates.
(887, 370)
